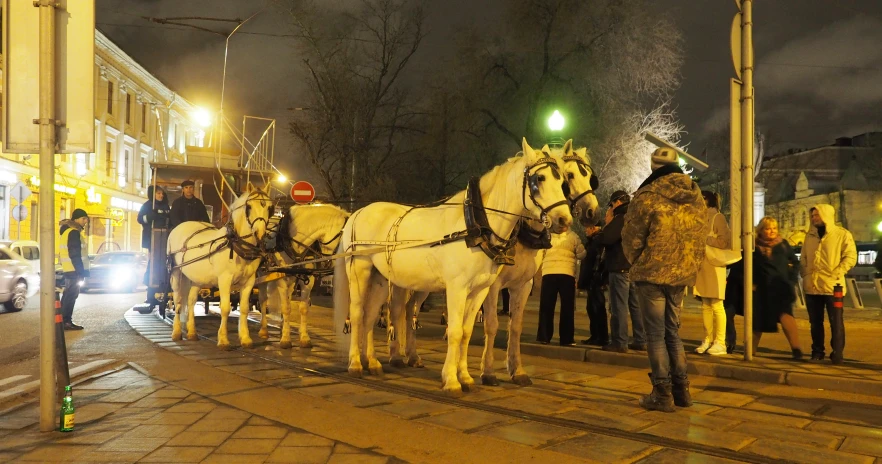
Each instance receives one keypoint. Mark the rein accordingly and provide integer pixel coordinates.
(585, 170)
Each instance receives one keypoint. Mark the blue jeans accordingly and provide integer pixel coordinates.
(661, 313)
(622, 301)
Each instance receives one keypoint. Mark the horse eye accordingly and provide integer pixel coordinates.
(570, 176)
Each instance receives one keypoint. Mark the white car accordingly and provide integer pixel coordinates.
(18, 281)
(29, 250)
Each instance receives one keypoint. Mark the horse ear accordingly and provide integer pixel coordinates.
(568, 147)
(583, 152)
(527, 149)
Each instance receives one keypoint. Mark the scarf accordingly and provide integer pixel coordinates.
(662, 171)
(765, 245)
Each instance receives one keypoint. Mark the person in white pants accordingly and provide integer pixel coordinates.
(710, 283)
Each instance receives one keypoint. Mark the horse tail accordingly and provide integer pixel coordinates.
(341, 301)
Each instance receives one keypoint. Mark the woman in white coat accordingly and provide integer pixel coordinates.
(710, 283)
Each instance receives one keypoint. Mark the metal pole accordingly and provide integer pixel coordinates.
(747, 136)
(47, 213)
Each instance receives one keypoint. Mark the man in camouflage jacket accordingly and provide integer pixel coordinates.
(663, 238)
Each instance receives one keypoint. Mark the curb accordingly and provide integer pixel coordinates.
(22, 391)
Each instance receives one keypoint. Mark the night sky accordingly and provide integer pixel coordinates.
(818, 77)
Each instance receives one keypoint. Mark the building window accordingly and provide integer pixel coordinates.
(109, 97)
(108, 159)
(81, 164)
(804, 218)
(128, 108)
(144, 117)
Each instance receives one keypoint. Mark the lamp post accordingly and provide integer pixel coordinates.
(556, 123)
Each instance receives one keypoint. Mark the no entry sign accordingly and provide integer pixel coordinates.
(302, 192)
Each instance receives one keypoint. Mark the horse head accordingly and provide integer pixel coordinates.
(250, 213)
(542, 191)
(581, 183)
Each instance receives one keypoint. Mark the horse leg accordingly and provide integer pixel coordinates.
(456, 300)
(178, 295)
(413, 312)
(358, 270)
(282, 293)
(491, 324)
(192, 295)
(304, 304)
(262, 297)
(373, 303)
(472, 305)
(224, 283)
(517, 302)
(244, 307)
(398, 319)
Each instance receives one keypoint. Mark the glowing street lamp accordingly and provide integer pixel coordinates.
(281, 178)
(556, 121)
(879, 227)
(202, 117)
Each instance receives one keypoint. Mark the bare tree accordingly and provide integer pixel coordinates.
(359, 111)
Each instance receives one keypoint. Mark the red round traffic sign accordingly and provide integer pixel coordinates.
(302, 192)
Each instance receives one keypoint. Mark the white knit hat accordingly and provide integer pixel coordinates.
(663, 156)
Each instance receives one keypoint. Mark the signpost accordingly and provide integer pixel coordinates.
(302, 192)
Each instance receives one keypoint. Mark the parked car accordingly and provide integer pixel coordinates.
(18, 281)
(29, 250)
(116, 270)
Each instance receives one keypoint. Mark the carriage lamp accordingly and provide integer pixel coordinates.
(556, 121)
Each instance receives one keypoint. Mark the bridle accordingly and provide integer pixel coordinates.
(253, 196)
(531, 186)
(585, 170)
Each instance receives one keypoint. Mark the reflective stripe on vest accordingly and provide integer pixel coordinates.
(64, 256)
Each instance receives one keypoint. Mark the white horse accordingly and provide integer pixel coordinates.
(299, 230)
(226, 258)
(518, 279)
(414, 256)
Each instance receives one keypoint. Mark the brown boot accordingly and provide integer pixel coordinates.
(680, 391)
(660, 399)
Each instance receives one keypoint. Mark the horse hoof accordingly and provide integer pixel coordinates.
(416, 363)
(305, 343)
(263, 334)
(378, 370)
(177, 337)
(224, 347)
(522, 380)
(355, 372)
(193, 337)
(397, 363)
(489, 380)
(285, 345)
(247, 345)
(454, 391)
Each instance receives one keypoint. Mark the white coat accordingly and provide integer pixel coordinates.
(711, 280)
(825, 261)
(561, 258)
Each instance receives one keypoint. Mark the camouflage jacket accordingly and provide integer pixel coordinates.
(665, 231)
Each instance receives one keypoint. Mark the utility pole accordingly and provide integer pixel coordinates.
(747, 169)
(47, 213)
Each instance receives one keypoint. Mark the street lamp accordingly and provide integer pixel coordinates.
(202, 117)
(879, 226)
(281, 178)
(556, 123)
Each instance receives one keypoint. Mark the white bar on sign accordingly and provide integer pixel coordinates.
(303, 192)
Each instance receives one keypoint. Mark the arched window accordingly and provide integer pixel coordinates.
(804, 218)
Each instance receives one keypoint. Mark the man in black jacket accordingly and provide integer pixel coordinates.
(592, 278)
(622, 293)
(73, 255)
(188, 207)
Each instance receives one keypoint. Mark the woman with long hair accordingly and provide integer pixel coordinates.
(775, 274)
(710, 283)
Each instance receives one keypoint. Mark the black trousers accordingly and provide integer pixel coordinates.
(69, 297)
(552, 286)
(731, 334)
(815, 305)
(598, 323)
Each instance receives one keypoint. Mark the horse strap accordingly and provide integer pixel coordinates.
(534, 239)
(478, 232)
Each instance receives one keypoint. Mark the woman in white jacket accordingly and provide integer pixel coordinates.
(710, 283)
(558, 278)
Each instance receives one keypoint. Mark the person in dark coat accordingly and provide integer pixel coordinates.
(73, 255)
(775, 274)
(188, 207)
(592, 278)
(154, 214)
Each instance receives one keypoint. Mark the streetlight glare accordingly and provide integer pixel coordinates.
(879, 227)
(556, 121)
(281, 178)
(202, 117)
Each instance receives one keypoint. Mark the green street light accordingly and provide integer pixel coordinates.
(879, 227)
(556, 121)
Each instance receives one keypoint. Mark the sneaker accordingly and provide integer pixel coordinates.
(637, 346)
(615, 348)
(703, 347)
(716, 349)
(72, 326)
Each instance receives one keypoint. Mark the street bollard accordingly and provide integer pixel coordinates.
(877, 281)
(856, 300)
(837, 296)
(62, 374)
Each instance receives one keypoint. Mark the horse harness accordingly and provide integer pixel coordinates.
(585, 170)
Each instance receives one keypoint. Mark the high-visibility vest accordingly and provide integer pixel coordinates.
(64, 256)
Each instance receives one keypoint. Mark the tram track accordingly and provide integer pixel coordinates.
(440, 398)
